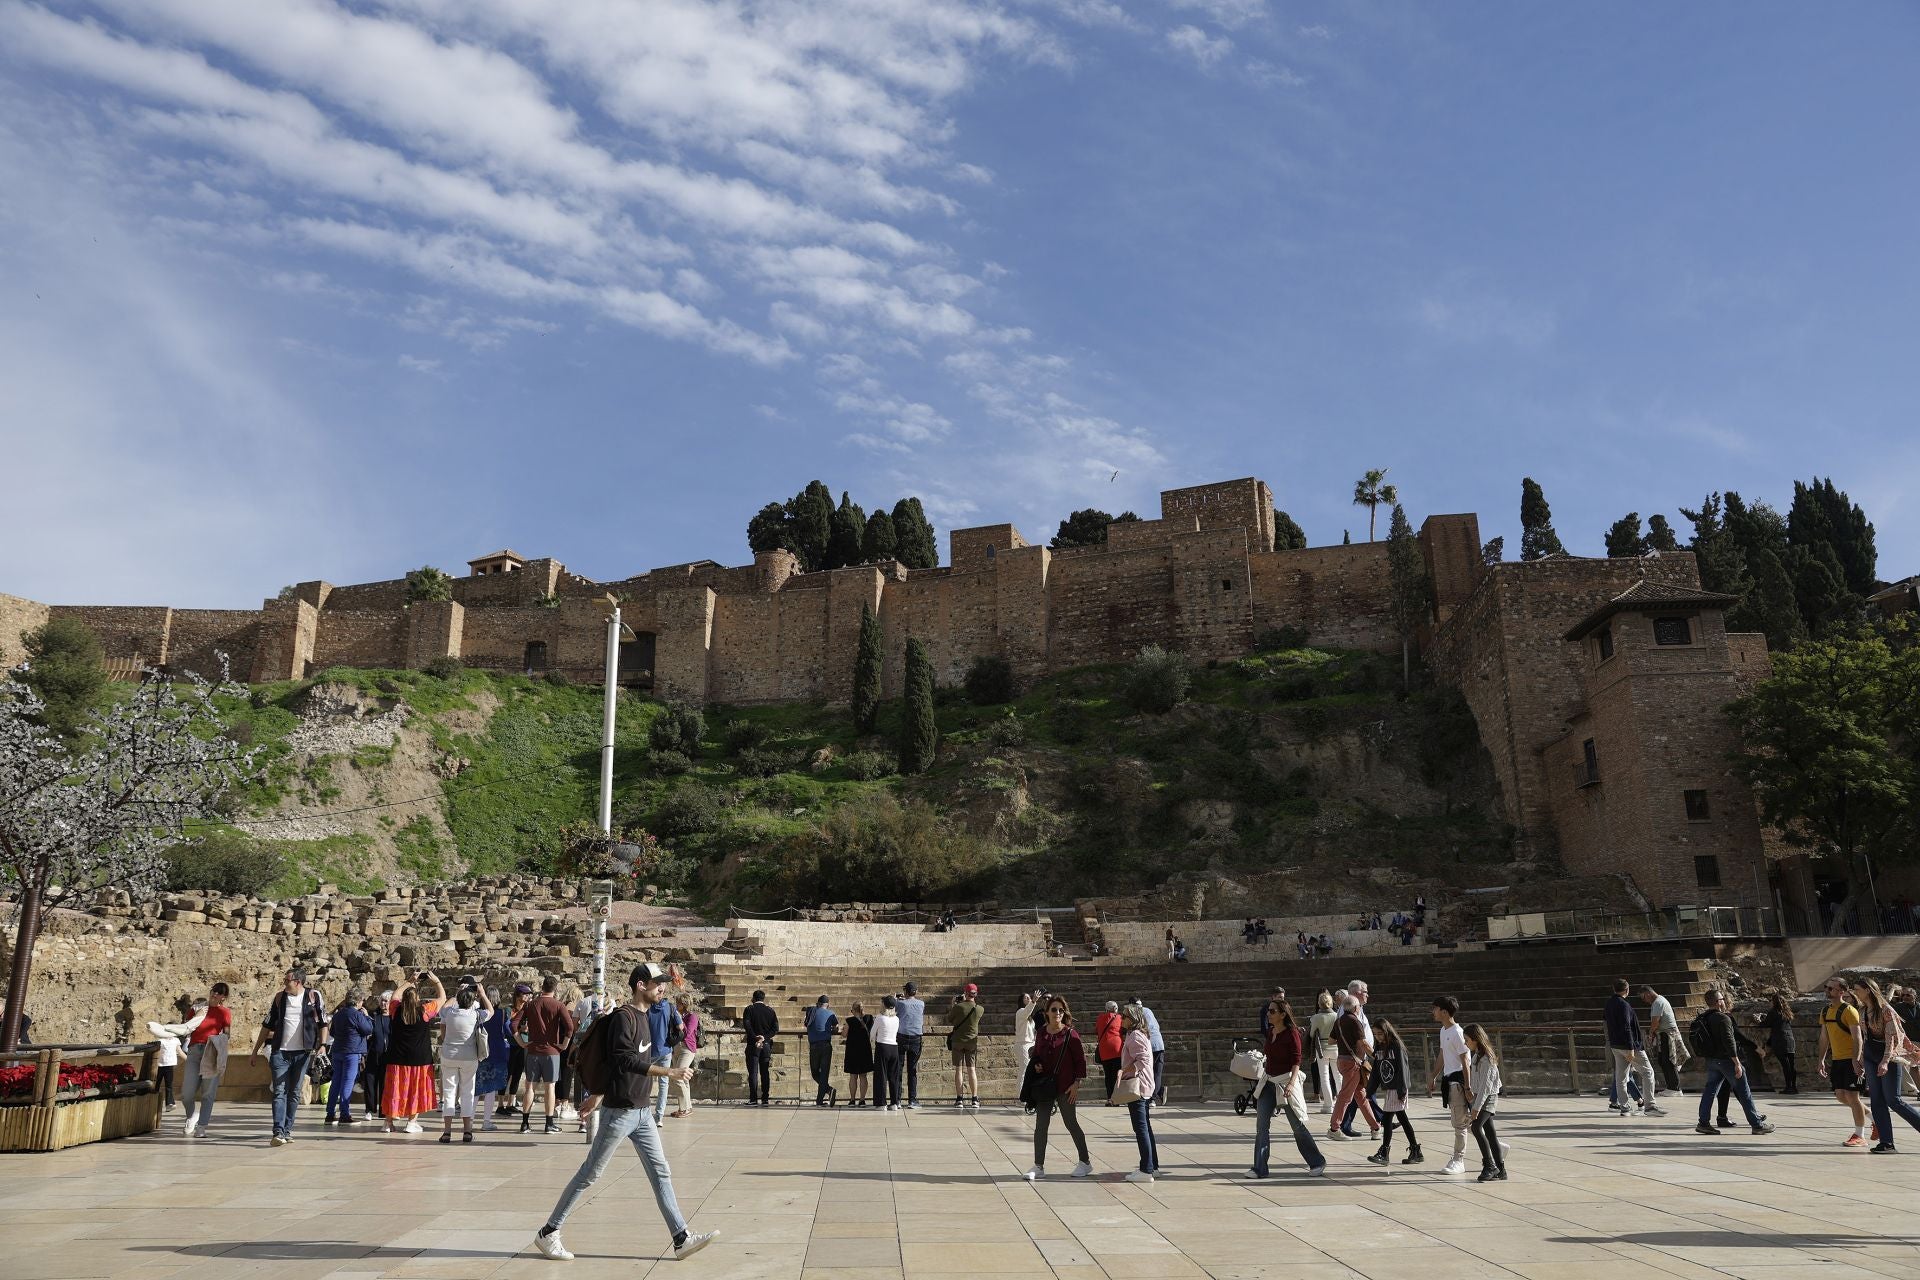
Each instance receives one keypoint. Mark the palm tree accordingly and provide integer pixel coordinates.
(1369, 492)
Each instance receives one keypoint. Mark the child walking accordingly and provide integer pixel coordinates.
(1482, 1100)
(1390, 1074)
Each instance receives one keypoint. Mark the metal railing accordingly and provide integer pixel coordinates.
(1670, 924)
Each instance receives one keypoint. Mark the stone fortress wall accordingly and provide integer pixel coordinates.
(1204, 578)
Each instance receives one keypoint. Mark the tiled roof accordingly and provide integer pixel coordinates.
(1644, 595)
(496, 555)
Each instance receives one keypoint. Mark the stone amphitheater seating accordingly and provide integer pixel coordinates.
(1222, 939)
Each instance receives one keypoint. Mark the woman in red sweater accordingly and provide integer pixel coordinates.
(1107, 1037)
(1280, 1089)
(1060, 1064)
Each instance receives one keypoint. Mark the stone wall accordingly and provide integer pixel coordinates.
(201, 638)
(17, 617)
(813, 943)
(1339, 594)
(1143, 940)
(359, 639)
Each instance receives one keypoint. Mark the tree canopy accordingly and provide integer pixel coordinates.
(1372, 492)
(1537, 538)
(823, 535)
(65, 670)
(1287, 533)
(1087, 528)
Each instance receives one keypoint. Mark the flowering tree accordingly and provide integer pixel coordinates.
(102, 812)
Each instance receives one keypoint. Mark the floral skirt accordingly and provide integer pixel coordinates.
(408, 1091)
(492, 1078)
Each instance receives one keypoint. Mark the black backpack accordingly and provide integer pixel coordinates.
(591, 1056)
(1697, 1039)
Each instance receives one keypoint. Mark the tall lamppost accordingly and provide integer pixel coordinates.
(600, 906)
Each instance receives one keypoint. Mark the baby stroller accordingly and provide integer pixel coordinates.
(1248, 1065)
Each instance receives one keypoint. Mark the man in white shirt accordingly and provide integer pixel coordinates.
(1669, 1048)
(295, 1027)
(1454, 1071)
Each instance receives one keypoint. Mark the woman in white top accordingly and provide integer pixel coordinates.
(1023, 1031)
(1326, 1053)
(460, 1055)
(886, 1054)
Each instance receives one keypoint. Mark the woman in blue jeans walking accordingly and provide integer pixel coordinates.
(1883, 1050)
(1136, 1065)
(1280, 1091)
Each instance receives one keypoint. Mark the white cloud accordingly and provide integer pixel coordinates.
(1204, 49)
(1462, 311)
(1227, 13)
(419, 364)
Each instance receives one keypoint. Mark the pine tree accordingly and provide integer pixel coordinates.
(66, 668)
(917, 547)
(1493, 551)
(1410, 593)
(1722, 566)
(1287, 534)
(810, 524)
(1660, 535)
(919, 734)
(1822, 513)
(1087, 528)
(866, 672)
(877, 543)
(1537, 538)
(1769, 605)
(843, 542)
(767, 531)
(1624, 539)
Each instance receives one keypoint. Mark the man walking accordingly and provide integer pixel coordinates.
(1712, 1036)
(664, 1030)
(823, 1024)
(546, 1027)
(1159, 1045)
(1629, 1054)
(296, 1027)
(634, 1060)
(1839, 1040)
(762, 1025)
(1669, 1046)
(913, 1025)
(1354, 1034)
(1454, 1068)
(965, 1017)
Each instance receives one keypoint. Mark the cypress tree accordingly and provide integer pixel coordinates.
(1537, 538)
(866, 672)
(877, 542)
(1410, 592)
(1287, 534)
(1823, 514)
(810, 521)
(919, 734)
(1660, 535)
(1769, 606)
(768, 528)
(1723, 567)
(917, 547)
(1624, 539)
(848, 528)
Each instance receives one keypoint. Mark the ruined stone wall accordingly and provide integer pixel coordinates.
(360, 639)
(1339, 594)
(285, 644)
(17, 617)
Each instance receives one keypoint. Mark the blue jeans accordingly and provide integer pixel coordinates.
(1143, 1135)
(1719, 1071)
(1302, 1138)
(660, 1100)
(1883, 1093)
(617, 1123)
(289, 1074)
(346, 1069)
(197, 1087)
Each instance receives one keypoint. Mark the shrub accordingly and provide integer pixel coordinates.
(558, 678)
(691, 809)
(878, 847)
(1158, 681)
(866, 766)
(990, 682)
(745, 735)
(446, 667)
(949, 695)
(225, 861)
(1295, 688)
(679, 728)
(1281, 638)
(764, 762)
(1008, 731)
(1311, 721)
(1070, 722)
(668, 763)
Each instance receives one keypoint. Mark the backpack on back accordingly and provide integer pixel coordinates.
(591, 1056)
(1697, 1037)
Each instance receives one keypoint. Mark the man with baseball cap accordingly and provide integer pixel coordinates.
(964, 1040)
(634, 1061)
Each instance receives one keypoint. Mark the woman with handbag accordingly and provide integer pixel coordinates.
(1135, 1088)
(1279, 1089)
(1880, 1054)
(1107, 1035)
(1058, 1065)
(463, 1047)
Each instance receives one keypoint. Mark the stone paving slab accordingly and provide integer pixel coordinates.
(807, 1194)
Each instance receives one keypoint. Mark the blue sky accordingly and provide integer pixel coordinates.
(296, 288)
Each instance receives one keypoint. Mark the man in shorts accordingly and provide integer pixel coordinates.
(1839, 1034)
(546, 1028)
(965, 1017)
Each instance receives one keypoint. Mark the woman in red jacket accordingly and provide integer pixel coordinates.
(1060, 1064)
(1107, 1037)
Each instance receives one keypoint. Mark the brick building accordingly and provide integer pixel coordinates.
(1203, 578)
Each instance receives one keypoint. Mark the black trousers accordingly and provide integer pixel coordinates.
(760, 1072)
(164, 1077)
(1110, 1067)
(373, 1075)
(1483, 1133)
(1387, 1120)
(910, 1065)
(1789, 1072)
(886, 1075)
(820, 1064)
(1043, 1115)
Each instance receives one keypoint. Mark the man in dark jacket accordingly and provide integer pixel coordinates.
(762, 1025)
(1712, 1037)
(373, 1071)
(1629, 1054)
(634, 1062)
(294, 1030)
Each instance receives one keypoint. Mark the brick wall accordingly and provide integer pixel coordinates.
(17, 617)
(1339, 594)
(435, 629)
(359, 639)
(685, 619)
(1134, 535)
(285, 644)
(199, 638)
(367, 597)
(1106, 606)
(1234, 504)
(125, 631)
(498, 638)
(973, 548)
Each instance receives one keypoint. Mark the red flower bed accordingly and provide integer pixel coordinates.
(17, 1081)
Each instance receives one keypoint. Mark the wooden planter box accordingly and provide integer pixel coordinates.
(42, 1121)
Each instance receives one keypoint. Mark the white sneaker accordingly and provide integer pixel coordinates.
(1081, 1170)
(277, 1141)
(550, 1247)
(1653, 1111)
(1251, 1176)
(694, 1244)
(1036, 1173)
(1137, 1176)
(413, 1126)
(1504, 1148)
(1454, 1166)
(189, 1132)
(488, 1127)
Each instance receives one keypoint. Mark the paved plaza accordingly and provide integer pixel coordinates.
(859, 1195)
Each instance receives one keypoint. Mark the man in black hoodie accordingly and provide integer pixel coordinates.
(1629, 1054)
(1712, 1037)
(626, 1111)
(762, 1025)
